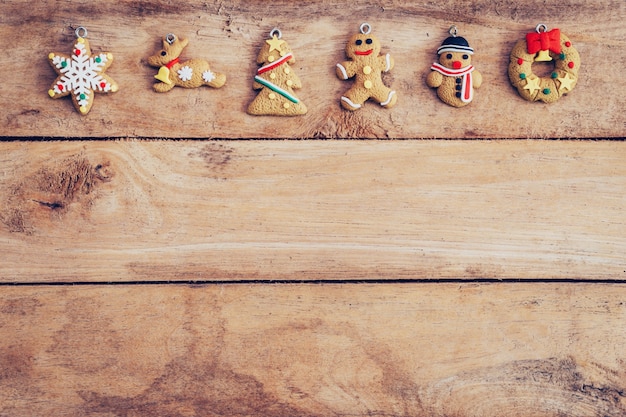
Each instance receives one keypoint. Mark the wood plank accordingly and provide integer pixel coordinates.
(311, 210)
(308, 350)
(229, 33)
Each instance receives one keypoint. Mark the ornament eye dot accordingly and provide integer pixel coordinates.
(368, 41)
(449, 56)
(359, 42)
(465, 56)
(163, 53)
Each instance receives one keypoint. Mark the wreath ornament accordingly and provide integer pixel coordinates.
(544, 46)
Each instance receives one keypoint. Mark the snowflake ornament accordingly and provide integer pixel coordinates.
(81, 75)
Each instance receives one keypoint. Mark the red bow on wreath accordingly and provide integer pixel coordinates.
(544, 41)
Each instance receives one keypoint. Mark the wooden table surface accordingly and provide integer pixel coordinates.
(170, 255)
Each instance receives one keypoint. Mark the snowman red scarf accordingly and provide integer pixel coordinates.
(467, 92)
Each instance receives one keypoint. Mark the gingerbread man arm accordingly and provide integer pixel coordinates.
(386, 62)
(434, 79)
(345, 70)
(477, 79)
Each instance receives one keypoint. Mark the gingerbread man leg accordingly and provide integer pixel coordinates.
(353, 99)
(385, 96)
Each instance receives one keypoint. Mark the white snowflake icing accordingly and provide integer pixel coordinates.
(185, 73)
(208, 76)
(81, 74)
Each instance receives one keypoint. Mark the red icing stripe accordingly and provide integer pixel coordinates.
(467, 93)
(273, 65)
(451, 72)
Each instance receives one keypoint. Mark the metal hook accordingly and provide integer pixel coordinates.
(276, 32)
(541, 26)
(453, 31)
(170, 38)
(81, 32)
(365, 28)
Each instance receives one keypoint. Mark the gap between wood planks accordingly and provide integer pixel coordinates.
(214, 139)
(322, 282)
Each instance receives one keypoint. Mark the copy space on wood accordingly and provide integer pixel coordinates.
(311, 210)
(310, 350)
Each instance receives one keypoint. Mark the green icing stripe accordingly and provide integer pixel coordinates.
(276, 89)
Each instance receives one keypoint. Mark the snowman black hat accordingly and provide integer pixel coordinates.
(455, 44)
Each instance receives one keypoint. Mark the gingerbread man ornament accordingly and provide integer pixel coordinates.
(366, 65)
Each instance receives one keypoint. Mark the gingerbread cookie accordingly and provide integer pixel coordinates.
(454, 76)
(81, 74)
(367, 66)
(548, 46)
(188, 74)
(276, 80)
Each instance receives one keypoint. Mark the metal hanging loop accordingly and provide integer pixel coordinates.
(81, 32)
(365, 28)
(453, 31)
(170, 38)
(541, 27)
(276, 32)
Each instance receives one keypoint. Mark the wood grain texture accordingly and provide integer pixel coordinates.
(98, 220)
(229, 34)
(266, 210)
(314, 350)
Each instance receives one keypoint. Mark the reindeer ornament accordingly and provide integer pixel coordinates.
(188, 74)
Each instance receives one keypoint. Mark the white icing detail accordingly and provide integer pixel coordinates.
(343, 71)
(81, 74)
(391, 94)
(208, 76)
(388, 61)
(185, 73)
(347, 100)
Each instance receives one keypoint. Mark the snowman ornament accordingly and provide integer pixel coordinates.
(454, 76)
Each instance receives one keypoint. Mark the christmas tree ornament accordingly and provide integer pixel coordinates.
(188, 74)
(276, 80)
(544, 46)
(454, 76)
(81, 74)
(366, 65)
